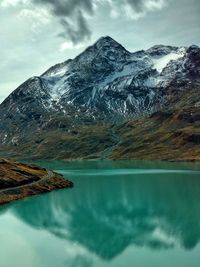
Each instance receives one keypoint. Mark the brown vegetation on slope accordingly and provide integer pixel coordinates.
(18, 180)
(170, 135)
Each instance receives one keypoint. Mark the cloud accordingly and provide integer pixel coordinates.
(69, 45)
(78, 31)
(134, 9)
(36, 17)
(143, 6)
(6, 3)
(74, 15)
(65, 8)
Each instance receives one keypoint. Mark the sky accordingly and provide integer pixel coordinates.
(37, 34)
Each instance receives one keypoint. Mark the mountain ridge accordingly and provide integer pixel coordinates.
(100, 88)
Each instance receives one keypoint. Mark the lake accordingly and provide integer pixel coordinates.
(119, 214)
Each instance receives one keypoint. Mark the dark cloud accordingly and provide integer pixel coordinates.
(137, 5)
(78, 32)
(72, 16)
(72, 13)
(67, 8)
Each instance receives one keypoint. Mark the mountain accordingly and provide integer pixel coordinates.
(78, 106)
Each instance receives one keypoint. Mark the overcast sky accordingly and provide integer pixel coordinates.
(36, 34)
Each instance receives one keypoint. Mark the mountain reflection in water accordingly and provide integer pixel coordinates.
(106, 214)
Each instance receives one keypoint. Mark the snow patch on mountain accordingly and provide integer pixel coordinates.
(59, 72)
(160, 62)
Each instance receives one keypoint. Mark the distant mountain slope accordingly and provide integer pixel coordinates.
(77, 106)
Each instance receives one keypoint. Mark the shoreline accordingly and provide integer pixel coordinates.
(27, 180)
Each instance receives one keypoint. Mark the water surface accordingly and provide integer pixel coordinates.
(119, 214)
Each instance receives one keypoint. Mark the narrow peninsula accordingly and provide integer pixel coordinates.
(19, 180)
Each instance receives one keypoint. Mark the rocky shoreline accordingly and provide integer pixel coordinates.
(19, 180)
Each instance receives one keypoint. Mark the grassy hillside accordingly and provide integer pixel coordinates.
(171, 133)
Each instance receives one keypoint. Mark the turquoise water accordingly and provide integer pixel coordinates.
(119, 214)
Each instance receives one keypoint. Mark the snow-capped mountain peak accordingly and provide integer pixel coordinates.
(108, 80)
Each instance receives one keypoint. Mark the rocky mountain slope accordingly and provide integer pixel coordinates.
(76, 108)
